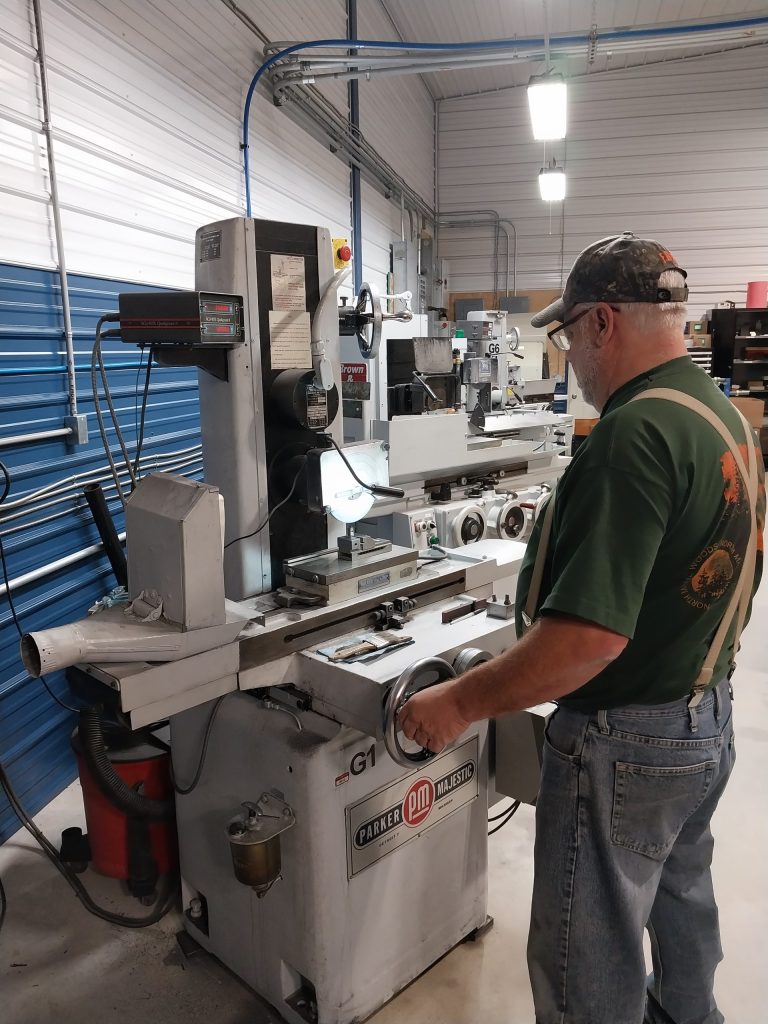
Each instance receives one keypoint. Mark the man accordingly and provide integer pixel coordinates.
(648, 530)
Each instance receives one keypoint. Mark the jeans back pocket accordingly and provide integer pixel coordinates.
(651, 805)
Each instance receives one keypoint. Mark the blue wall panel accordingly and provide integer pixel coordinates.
(38, 530)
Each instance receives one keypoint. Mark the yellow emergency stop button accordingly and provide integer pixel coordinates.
(342, 253)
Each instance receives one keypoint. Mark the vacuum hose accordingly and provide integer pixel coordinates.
(117, 791)
(106, 527)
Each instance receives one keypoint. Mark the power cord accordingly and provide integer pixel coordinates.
(166, 895)
(144, 400)
(185, 790)
(7, 580)
(506, 817)
(136, 393)
(391, 492)
(279, 505)
(501, 814)
(111, 405)
(97, 363)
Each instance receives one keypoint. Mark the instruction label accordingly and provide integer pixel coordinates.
(288, 284)
(317, 409)
(387, 820)
(289, 339)
(210, 246)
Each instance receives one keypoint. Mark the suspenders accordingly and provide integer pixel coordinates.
(739, 602)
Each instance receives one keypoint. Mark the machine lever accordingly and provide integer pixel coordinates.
(381, 491)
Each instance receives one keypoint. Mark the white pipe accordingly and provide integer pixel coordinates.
(464, 218)
(525, 49)
(182, 469)
(308, 72)
(322, 66)
(300, 77)
(322, 365)
(94, 475)
(69, 494)
(328, 61)
(40, 435)
(55, 207)
(52, 567)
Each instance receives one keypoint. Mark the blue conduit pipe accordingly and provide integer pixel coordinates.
(353, 92)
(486, 44)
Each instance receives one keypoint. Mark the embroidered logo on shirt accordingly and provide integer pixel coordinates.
(711, 574)
(733, 492)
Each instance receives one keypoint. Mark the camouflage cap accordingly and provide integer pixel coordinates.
(623, 268)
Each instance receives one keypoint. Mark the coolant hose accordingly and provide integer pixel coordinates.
(115, 789)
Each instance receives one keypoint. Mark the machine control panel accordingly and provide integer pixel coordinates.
(189, 318)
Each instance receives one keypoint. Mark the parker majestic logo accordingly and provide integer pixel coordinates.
(418, 802)
(415, 807)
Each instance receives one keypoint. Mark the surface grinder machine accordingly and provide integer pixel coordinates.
(324, 859)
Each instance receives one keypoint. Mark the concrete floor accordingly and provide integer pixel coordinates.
(60, 965)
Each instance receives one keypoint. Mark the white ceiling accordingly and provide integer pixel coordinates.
(465, 20)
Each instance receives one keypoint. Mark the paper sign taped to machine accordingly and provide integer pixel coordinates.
(289, 339)
(288, 287)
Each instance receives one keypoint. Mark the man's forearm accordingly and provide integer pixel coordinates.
(556, 657)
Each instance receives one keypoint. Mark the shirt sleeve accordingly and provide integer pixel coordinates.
(609, 525)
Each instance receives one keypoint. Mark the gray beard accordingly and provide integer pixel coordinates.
(587, 382)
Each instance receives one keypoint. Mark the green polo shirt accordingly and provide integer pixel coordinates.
(650, 526)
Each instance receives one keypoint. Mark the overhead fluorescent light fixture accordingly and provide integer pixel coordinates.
(547, 101)
(552, 183)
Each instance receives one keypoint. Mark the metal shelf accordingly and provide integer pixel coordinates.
(750, 362)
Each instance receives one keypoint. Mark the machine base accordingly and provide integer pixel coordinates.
(480, 932)
(384, 872)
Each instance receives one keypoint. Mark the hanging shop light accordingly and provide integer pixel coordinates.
(552, 182)
(547, 101)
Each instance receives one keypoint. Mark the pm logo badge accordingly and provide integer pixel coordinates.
(418, 802)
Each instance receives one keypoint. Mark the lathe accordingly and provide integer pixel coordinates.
(282, 611)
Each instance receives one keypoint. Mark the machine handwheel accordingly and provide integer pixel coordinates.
(369, 335)
(468, 658)
(407, 684)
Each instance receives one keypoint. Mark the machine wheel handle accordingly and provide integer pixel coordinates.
(399, 693)
(370, 319)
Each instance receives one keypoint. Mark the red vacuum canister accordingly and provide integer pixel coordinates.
(136, 760)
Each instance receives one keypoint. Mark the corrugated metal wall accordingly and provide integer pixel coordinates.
(146, 109)
(397, 114)
(677, 152)
(39, 529)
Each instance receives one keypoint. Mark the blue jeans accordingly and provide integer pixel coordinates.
(623, 843)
